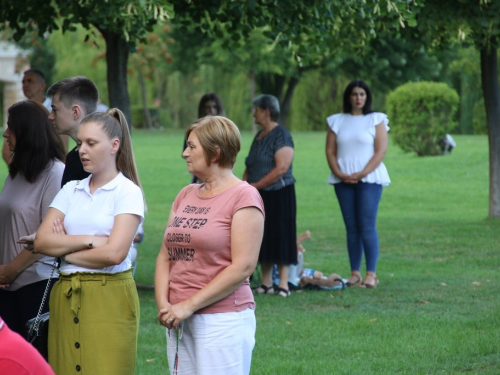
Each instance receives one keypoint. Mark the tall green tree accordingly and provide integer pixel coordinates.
(296, 36)
(310, 31)
(122, 23)
(477, 23)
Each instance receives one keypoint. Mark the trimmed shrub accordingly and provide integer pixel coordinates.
(420, 114)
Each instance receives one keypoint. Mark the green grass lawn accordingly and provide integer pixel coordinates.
(437, 308)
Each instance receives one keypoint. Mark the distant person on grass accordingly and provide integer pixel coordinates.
(356, 144)
(210, 105)
(269, 170)
(307, 278)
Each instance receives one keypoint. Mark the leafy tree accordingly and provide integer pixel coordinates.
(121, 22)
(473, 23)
(311, 31)
(294, 36)
(39, 53)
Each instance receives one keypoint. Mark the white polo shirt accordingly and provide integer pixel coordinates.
(87, 214)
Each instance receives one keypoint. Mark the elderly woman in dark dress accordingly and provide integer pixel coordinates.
(269, 169)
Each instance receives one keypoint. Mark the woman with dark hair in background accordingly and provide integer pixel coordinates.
(91, 224)
(269, 169)
(210, 105)
(34, 180)
(356, 144)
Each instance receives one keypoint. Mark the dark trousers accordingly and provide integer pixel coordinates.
(17, 306)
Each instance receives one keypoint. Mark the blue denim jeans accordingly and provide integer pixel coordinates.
(359, 206)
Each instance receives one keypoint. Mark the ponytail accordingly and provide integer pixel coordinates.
(115, 125)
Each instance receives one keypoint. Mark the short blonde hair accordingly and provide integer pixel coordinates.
(220, 139)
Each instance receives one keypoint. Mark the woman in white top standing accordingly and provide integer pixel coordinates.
(91, 224)
(356, 144)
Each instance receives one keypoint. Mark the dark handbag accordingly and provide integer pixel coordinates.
(38, 333)
(37, 328)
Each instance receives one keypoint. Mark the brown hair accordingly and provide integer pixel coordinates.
(37, 143)
(115, 125)
(79, 90)
(220, 139)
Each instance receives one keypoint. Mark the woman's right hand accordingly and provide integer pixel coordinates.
(347, 178)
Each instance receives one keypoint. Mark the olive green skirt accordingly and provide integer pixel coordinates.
(94, 324)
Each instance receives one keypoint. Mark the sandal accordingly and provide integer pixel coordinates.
(357, 281)
(373, 284)
(264, 289)
(342, 284)
(282, 292)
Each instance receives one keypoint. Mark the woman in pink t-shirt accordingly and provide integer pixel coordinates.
(210, 249)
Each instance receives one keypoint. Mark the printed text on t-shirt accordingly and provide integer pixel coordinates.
(181, 222)
(180, 253)
(196, 210)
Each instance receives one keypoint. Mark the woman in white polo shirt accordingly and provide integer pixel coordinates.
(91, 224)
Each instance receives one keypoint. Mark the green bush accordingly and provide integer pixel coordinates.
(421, 113)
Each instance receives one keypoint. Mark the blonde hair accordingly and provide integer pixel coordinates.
(220, 139)
(115, 125)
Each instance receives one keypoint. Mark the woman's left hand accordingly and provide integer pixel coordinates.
(353, 178)
(172, 315)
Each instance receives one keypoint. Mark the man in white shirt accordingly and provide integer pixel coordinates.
(34, 87)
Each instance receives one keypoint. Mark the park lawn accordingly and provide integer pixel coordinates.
(436, 309)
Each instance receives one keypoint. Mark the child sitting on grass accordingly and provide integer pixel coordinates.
(307, 278)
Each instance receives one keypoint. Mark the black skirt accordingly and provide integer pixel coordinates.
(279, 245)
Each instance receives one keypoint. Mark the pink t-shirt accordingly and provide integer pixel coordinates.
(199, 244)
(19, 357)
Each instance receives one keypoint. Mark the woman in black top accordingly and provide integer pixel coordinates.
(269, 169)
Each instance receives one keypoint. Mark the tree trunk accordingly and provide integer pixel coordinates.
(287, 101)
(116, 60)
(146, 115)
(491, 93)
(274, 84)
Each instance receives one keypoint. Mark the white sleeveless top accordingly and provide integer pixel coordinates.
(355, 145)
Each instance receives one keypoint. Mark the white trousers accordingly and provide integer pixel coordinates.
(211, 344)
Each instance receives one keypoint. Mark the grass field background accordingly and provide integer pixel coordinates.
(437, 308)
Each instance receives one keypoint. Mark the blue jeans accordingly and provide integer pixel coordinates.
(359, 206)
